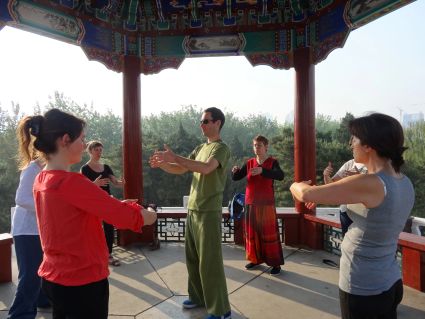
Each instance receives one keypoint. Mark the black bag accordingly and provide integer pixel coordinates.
(237, 206)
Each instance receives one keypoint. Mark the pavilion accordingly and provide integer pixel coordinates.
(146, 36)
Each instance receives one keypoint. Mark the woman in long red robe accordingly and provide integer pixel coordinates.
(262, 240)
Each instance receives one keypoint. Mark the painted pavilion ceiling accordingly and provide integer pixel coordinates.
(163, 33)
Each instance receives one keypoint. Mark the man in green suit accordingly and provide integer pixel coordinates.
(204, 260)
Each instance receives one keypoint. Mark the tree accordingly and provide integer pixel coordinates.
(236, 147)
(325, 126)
(342, 134)
(9, 174)
(180, 130)
(283, 145)
(415, 163)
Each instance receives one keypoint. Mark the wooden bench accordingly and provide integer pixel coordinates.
(6, 241)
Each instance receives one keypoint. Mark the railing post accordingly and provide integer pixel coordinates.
(239, 225)
(413, 260)
(6, 241)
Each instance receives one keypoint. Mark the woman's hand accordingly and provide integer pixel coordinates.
(235, 169)
(154, 160)
(256, 170)
(310, 205)
(99, 181)
(298, 189)
(149, 216)
(327, 172)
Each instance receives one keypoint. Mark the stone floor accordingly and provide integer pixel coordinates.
(152, 284)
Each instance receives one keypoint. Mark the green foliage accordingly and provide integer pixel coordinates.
(236, 147)
(342, 134)
(283, 145)
(414, 140)
(180, 130)
(415, 164)
(325, 125)
(9, 175)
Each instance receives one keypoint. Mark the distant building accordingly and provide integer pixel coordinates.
(409, 119)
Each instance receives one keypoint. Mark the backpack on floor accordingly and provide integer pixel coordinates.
(237, 206)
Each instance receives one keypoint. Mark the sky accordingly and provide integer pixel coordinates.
(381, 68)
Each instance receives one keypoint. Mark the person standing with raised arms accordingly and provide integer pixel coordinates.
(262, 239)
(70, 209)
(349, 168)
(102, 175)
(379, 204)
(204, 261)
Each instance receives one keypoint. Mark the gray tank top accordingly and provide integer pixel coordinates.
(368, 262)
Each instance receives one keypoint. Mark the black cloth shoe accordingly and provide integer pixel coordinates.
(275, 271)
(251, 266)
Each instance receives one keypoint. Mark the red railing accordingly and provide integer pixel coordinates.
(295, 234)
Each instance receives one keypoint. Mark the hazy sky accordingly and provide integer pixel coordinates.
(381, 68)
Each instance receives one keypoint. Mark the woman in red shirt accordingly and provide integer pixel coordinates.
(70, 209)
(262, 240)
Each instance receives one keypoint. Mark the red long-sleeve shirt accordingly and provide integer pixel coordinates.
(70, 209)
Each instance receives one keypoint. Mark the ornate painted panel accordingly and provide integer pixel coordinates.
(361, 12)
(163, 33)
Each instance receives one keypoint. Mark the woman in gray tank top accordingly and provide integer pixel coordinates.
(380, 202)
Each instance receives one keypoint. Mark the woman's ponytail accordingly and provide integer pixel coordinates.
(27, 131)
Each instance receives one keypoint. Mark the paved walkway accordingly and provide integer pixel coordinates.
(152, 284)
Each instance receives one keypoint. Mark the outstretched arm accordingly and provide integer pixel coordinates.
(238, 173)
(365, 189)
(170, 162)
(115, 181)
(157, 160)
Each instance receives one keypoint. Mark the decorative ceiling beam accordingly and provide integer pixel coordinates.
(163, 33)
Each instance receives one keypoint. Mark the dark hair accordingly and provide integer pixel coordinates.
(48, 128)
(383, 133)
(93, 144)
(216, 115)
(261, 139)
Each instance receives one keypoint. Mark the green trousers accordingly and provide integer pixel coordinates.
(204, 261)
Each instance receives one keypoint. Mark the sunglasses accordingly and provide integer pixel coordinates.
(206, 121)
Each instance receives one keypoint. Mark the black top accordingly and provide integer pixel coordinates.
(87, 171)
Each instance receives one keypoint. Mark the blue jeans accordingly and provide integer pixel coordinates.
(28, 294)
(345, 222)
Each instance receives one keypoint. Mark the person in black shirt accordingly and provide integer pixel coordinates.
(102, 175)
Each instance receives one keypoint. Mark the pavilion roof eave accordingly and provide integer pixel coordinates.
(162, 37)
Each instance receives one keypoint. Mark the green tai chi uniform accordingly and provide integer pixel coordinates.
(204, 259)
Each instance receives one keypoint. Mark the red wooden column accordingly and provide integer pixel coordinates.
(310, 233)
(132, 145)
